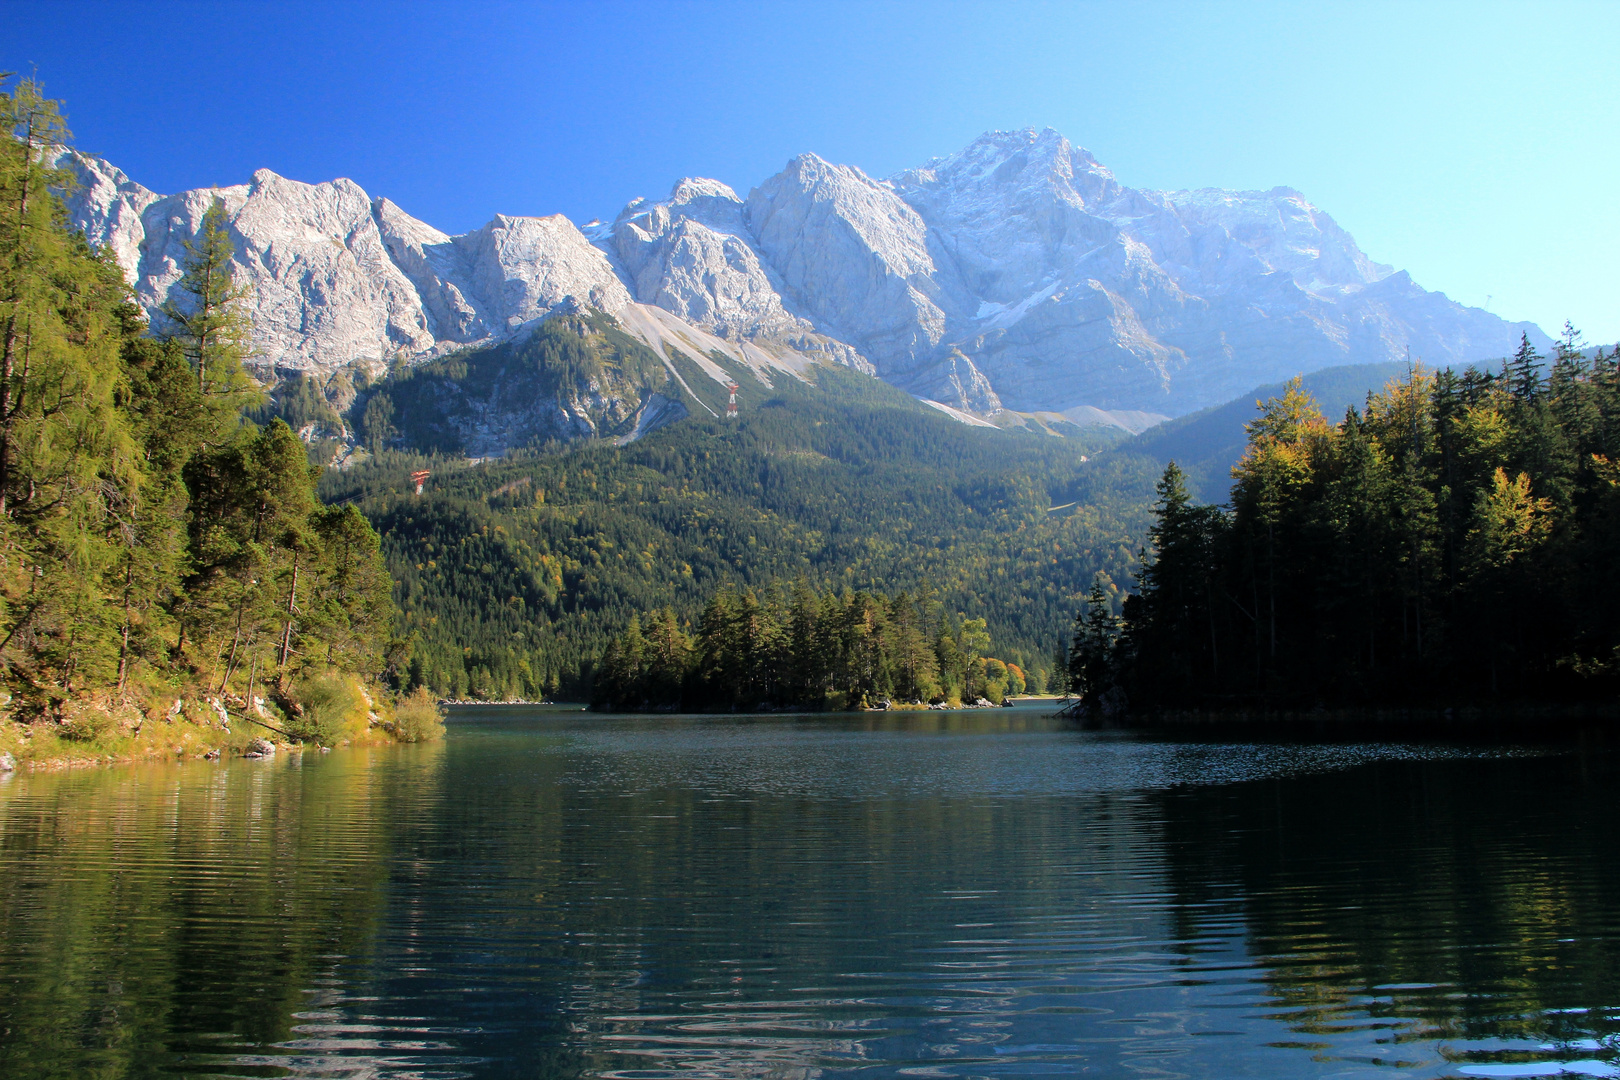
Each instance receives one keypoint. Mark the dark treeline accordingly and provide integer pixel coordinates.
(1456, 541)
(801, 649)
(153, 542)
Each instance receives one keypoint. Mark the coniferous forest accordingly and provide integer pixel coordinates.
(1455, 542)
(161, 557)
(793, 648)
(514, 574)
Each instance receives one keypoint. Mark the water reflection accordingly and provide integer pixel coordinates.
(929, 895)
(1464, 912)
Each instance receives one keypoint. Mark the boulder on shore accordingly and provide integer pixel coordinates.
(260, 748)
(7, 763)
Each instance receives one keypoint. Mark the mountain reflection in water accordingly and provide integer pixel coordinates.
(948, 895)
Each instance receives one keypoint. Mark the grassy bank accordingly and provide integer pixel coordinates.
(334, 712)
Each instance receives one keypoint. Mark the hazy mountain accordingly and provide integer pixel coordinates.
(1015, 273)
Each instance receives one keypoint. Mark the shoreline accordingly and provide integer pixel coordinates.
(165, 741)
(58, 763)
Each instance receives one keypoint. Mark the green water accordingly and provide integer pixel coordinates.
(933, 895)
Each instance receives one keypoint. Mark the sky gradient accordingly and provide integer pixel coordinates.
(1472, 145)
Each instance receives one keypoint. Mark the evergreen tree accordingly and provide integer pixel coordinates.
(148, 538)
(1524, 371)
(70, 479)
(209, 321)
(1092, 663)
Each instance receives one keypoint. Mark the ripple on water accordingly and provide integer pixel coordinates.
(946, 896)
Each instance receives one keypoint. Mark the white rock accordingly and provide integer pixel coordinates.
(854, 256)
(1016, 271)
(694, 257)
(524, 268)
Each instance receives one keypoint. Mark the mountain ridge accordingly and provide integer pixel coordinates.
(1015, 273)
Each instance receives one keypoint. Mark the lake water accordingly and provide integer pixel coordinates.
(551, 894)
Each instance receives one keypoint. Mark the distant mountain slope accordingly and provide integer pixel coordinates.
(1015, 273)
(514, 572)
(1206, 444)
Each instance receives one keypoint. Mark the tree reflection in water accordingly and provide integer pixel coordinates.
(1467, 902)
(987, 894)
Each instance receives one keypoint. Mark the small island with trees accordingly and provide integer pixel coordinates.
(799, 649)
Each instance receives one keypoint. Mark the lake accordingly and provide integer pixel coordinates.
(996, 894)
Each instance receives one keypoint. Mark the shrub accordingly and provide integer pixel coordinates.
(418, 717)
(334, 708)
(85, 724)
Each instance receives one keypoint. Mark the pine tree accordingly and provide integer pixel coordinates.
(70, 477)
(1524, 370)
(208, 319)
(350, 608)
(1092, 663)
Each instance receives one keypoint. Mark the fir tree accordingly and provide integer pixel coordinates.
(209, 322)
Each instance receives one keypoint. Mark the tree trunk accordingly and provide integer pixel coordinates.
(123, 649)
(286, 630)
(236, 643)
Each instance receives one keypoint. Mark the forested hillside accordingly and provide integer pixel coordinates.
(159, 553)
(1455, 541)
(514, 574)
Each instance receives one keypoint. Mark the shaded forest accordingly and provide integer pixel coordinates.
(1455, 541)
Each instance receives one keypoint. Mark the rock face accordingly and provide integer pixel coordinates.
(576, 376)
(696, 257)
(337, 276)
(1017, 272)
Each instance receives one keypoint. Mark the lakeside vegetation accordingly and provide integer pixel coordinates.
(166, 567)
(1455, 542)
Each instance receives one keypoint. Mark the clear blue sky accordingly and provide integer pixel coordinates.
(1474, 145)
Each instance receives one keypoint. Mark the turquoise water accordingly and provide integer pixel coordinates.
(554, 894)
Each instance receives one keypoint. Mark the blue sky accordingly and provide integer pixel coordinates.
(1473, 145)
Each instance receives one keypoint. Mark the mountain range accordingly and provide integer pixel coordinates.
(1016, 274)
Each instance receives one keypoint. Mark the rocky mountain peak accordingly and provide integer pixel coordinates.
(1014, 272)
(690, 189)
(1023, 163)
